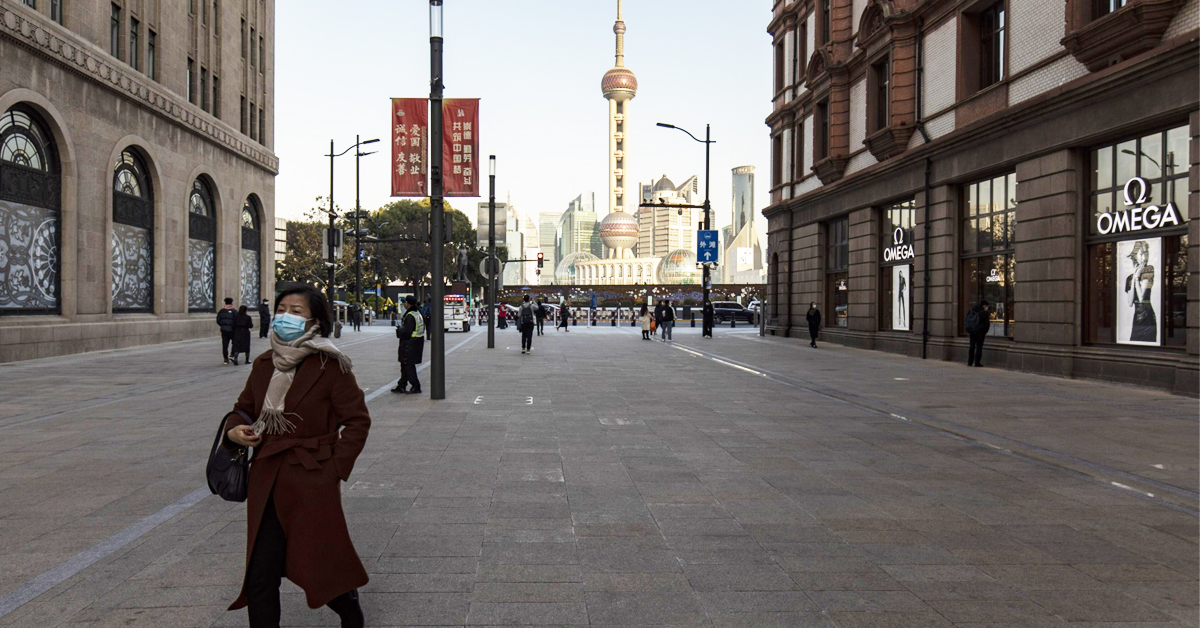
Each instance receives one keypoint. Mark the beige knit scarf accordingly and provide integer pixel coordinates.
(286, 357)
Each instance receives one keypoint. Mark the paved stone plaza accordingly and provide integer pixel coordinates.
(605, 480)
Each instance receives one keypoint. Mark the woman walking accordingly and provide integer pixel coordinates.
(645, 319)
(302, 393)
(814, 324)
(242, 324)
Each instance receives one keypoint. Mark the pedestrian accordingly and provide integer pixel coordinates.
(501, 317)
(356, 315)
(658, 311)
(978, 322)
(264, 318)
(645, 320)
(564, 314)
(668, 321)
(411, 333)
(225, 320)
(540, 314)
(312, 422)
(242, 324)
(813, 316)
(526, 322)
(426, 312)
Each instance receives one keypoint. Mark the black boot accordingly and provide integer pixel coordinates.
(348, 609)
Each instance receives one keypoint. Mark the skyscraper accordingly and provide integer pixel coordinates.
(743, 197)
(548, 236)
(618, 231)
(577, 227)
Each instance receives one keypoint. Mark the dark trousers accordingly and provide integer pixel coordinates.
(408, 375)
(265, 572)
(264, 326)
(540, 323)
(226, 340)
(975, 350)
(527, 336)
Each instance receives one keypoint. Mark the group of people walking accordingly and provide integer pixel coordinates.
(235, 328)
(663, 321)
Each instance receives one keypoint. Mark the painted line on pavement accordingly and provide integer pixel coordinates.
(58, 574)
(980, 438)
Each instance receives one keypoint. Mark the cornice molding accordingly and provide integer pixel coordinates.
(62, 47)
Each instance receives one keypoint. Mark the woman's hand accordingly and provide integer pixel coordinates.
(244, 436)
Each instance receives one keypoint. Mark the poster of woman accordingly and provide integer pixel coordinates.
(901, 297)
(1139, 297)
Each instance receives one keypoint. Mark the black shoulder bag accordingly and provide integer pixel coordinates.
(228, 468)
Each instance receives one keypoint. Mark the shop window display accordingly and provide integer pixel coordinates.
(1136, 285)
(837, 278)
(895, 273)
(988, 260)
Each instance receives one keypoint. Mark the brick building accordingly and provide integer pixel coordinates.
(1041, 154)
(137, 176)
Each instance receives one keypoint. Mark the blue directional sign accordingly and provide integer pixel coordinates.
(707, 251)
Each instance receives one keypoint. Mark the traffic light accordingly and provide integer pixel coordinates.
(540, 261)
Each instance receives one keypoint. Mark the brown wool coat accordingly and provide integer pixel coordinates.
(303, 469)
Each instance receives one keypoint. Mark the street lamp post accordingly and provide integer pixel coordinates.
(437, 358)
(332, 261)
(707, 327)
(358, 216)
(491, 301)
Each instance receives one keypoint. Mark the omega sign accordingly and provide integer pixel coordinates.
(1137, 218)
(900, 250)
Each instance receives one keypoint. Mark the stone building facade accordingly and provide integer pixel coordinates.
(1041, 154)
(137, 175)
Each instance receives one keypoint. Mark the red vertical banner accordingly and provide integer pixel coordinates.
(460, 146)
(410, 146)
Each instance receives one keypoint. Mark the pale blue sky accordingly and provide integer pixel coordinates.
(536, 67)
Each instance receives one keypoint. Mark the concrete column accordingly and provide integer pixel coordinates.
(1047, 250)
(808, 274)
(942, 214)
(864, 270)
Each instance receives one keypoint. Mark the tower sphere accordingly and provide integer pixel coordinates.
(619, 84)
(619, 230)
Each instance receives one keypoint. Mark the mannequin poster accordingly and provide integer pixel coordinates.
(901, 297)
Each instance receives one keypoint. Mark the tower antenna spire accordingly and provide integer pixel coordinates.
(619, 29)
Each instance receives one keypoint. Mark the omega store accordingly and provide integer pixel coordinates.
(1086, 254)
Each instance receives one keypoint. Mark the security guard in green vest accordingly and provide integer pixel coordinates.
(411, 333)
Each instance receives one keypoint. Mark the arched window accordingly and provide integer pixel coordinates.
(202, 238)
(30, 184)
(251, 245)
(132, 235)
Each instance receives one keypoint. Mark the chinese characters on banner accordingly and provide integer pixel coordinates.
(460, 145)
(410, 132)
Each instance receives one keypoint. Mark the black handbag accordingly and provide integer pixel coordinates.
(228, 468)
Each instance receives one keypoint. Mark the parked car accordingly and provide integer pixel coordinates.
(731, 310)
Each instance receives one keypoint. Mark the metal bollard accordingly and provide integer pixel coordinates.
(733, 322)
(693, 319)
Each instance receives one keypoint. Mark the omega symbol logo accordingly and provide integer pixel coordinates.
(898, 236)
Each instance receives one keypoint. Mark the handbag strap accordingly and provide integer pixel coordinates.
(220, 439)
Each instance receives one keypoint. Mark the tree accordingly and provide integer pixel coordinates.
(304, 262)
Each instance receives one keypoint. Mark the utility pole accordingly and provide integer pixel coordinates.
(357, 226)
(329, 236)
(491, 300)
(437, 361)
(707, 329)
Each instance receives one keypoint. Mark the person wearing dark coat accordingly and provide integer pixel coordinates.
(310, 424)
(242, 324)
(225, 320)
(814, 324)
(411, 333)
(264, 318)
(978, 322)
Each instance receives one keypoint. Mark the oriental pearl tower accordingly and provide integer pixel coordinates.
(618, 230)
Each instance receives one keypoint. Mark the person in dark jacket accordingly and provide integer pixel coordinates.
(411, 333)
(242, 324)
(667, 321)
(978, 323)
(356, 316)
(225, 320)
(264, 318)
(526, 323)
(564, 315)
(814, 324)
(539, 313)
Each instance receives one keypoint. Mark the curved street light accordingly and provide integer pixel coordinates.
(707, 327)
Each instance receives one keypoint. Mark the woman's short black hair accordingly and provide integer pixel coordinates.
(242, 310)
(317, 306)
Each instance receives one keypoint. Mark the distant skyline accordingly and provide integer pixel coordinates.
(536, 67)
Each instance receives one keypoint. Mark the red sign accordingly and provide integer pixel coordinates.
(410, 146)
(460, 146)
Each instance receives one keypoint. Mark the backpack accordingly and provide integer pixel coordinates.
(526, 314)
(973, 323)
